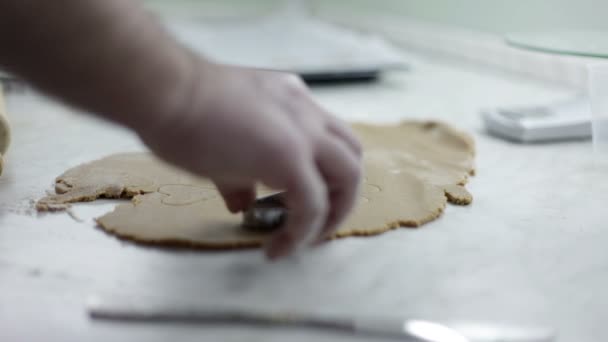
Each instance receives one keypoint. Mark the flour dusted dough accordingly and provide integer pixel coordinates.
(411, 171)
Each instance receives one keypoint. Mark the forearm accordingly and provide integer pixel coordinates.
(109, 57)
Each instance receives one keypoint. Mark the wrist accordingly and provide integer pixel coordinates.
(175, 123)
(171, 96)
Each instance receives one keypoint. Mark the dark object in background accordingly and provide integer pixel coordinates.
(341, 77)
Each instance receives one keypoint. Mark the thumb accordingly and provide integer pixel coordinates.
(238, 197)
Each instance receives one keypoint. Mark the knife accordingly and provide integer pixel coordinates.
(391, 328)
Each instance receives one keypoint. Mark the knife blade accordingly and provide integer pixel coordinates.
(392, 328)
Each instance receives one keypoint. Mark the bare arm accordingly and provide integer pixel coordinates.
(108, 56)
(236, 126)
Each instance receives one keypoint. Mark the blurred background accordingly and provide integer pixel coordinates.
(495, 33)
(487, 15)
(551, 42)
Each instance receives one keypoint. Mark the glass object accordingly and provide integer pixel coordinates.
(590, 43)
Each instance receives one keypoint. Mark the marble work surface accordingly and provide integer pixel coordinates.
(531, 248)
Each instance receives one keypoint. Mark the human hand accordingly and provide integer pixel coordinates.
(241, 126)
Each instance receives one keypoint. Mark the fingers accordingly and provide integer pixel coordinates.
(333, 178)
(337, 127)
(341, 169)
(338, 157)
(237, 197)
(306, 199)
(321, 192)
(284, 139)
(344, 132)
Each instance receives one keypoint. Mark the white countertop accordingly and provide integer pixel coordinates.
(531, 248)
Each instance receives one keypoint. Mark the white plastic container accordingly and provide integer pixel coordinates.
(598, 102)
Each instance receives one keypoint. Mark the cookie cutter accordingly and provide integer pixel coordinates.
(267, 214)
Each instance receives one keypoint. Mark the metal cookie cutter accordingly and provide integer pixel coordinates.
(267, 214)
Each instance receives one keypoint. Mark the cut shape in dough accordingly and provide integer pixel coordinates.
(411, 171)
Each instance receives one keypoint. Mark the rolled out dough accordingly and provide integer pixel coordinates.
(411, 171)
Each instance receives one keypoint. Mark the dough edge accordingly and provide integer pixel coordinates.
(354, 232)
(455, 194)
